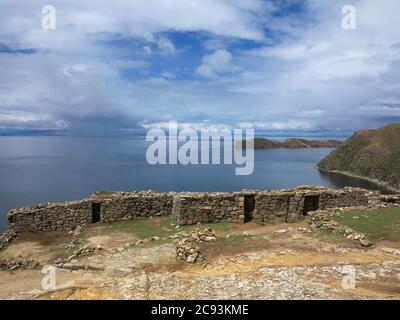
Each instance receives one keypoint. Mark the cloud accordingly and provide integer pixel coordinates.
(166, 46)
(283, 125)
(205, 126)
(218, 62)
(138, 18)
(271, 64)
(23, 121)
(312, 113)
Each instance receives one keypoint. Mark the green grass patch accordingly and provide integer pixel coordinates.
(220, 228)
(164, 227)
(384, 222)
(234, 239)
(147, 227)
(71, 249)
(331, 237)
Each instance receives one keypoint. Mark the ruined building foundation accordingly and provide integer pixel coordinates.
(189, 207)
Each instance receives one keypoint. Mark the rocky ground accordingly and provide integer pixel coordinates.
(250, 261)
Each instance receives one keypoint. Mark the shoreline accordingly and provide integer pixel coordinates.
(379, 183)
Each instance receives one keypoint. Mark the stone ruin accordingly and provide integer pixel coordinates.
(190, 208)
(186, 245)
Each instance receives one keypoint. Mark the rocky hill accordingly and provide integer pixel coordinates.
(370, 154)
(263, 143)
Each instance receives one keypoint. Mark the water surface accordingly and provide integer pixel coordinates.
(41, 169)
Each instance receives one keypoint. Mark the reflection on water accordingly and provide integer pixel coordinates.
(40, 169)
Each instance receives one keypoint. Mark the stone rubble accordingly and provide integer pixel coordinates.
(76, 233)
(391, 199)
(319, 220)
(18, 263)
(186, 248)
(83, 251)
(7, 237)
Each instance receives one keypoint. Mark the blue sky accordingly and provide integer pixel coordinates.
(135, 64)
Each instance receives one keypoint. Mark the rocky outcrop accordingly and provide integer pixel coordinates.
(370, 154)
(263, 143)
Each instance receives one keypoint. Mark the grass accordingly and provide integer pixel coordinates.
(328, 236)
(71, 249)
(147, 227)
(163, 227)
(220, 228)
(384, 222)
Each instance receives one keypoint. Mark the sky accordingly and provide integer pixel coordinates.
(130, 65)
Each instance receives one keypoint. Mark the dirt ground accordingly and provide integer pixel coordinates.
(249, 261)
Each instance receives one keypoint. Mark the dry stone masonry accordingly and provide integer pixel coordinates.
(190, 207)
(6, 238)
(127, 205)
(320, 219)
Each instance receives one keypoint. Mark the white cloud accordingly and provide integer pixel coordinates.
(312, 113)
(29, 121)
(282, 125)
(307, 72)
(133, 18)
(218, 62)
(188, 125)
(166, 46)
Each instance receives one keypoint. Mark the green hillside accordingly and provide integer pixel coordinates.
(373, 154)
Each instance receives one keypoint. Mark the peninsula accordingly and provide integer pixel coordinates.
(373, 155)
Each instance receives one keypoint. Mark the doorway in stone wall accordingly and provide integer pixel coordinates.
(311, 203)
(249, 204)
(96, 207)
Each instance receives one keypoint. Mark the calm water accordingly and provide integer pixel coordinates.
(40, 169)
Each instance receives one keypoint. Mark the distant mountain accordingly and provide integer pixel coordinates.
(370, 154)
(263, 143)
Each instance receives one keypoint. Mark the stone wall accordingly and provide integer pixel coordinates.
(266, 206)
(113, 206)
(198, 207)
(50, 216)
(128, 205)
(293, 204)
(390, 199)
(6, 237)
(189, 207)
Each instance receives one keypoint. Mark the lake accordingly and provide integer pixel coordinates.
(41, 169)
